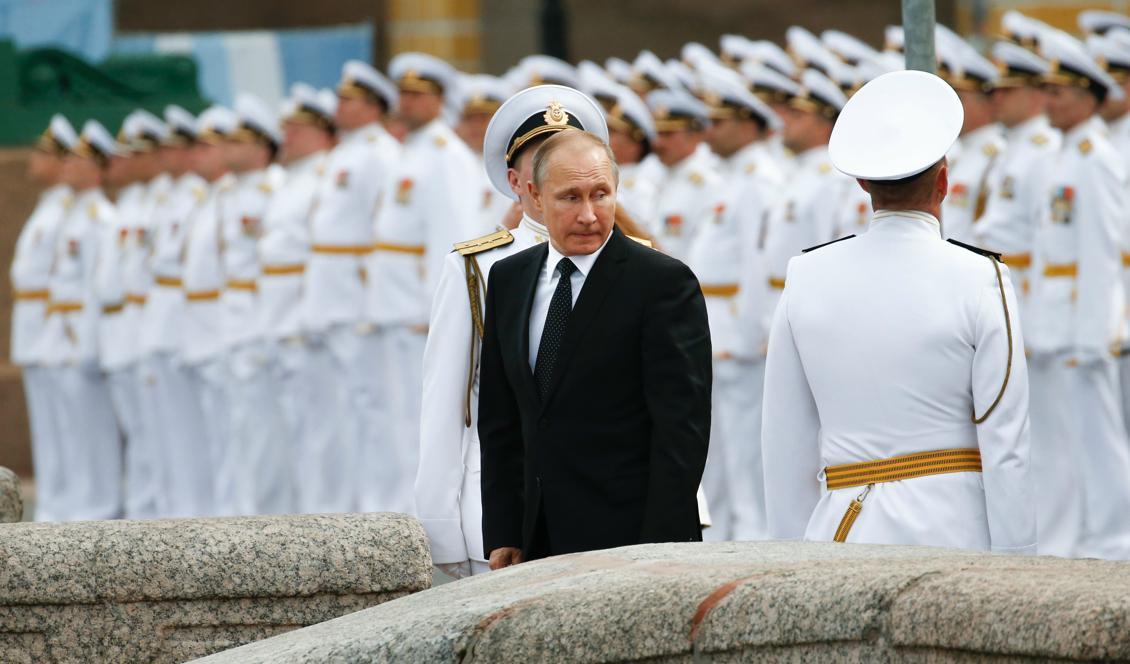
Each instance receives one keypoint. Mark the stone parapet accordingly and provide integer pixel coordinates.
(728, 602)
(11, 503)
(170, 590)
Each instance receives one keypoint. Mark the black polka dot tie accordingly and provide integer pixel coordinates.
(555, 322)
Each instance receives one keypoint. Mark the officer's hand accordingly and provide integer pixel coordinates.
(456, 570)
(505, 557)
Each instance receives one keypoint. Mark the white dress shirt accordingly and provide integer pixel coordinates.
(547, 284)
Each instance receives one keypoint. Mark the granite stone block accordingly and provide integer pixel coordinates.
(11, 503)
(732, 602)
(171, 590)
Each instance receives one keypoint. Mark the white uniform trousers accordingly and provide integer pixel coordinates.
(145, 481)
(324, 451)
(741, 416)
(389, 452)
(90, 446)
(182, 456)
(719, 476)
(127, 390)
(1103, 459)
(46, 453)
(256, 461)
(1057, 488)
(209, 381)
(1124, 384)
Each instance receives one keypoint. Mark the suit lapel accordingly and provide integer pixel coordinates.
(528, 283)
(605, 271)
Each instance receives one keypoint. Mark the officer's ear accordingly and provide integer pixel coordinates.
(515, 181)
(942, 183)
(535, 195)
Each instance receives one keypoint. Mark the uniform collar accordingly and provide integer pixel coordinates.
(360, 133)
(426, 131)
(1028, 127)
(906, 218)
(813, 156)
(1081, 130)
(541, 233)
(982, 135)
(307, 163)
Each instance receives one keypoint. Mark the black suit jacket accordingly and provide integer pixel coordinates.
(615, 453)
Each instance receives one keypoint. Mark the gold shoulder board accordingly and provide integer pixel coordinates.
(1085, 146)
(440, 141)
(1039, 139)
(644, 242)
(92, 210)
(696, 178)
(484, 243)
(825, 168)
(266, 187)
(990, 150)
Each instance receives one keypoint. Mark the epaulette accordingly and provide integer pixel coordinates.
(750, 168)
(92, 210)
(1085, 146)
(484, 243)
(628, 183)
(440, 141)
(1039, 139)
(824, 167)
(644, 241)
(846, 237)
(266, 187)
(990, 150)
(976, 250)
(696, 178)
(200, 193)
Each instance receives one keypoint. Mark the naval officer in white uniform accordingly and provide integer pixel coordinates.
(896, 394)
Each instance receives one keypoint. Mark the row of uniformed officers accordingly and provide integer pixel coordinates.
(257, 333)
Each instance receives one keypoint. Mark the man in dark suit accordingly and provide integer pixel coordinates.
(594, 402)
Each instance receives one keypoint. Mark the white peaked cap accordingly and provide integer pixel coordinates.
(255, 115)
(896, 126)
(533, 112)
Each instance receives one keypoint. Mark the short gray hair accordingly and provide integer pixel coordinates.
(560, 140)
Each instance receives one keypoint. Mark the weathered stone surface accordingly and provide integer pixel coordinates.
(11, 504)
(171, 590)
(754, 601)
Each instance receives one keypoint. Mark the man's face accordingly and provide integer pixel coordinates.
(44, 168)
(800, 127)
(473, 129)
(727, 136)
(577, 198)
(419, 108)
(120, 170)
(1011, 106)
(302, 139)
(1069, 105)
(624, 147)
(354, 112)
(978, 109)
(208, 161)
(81, 173)
(174, 159)
(674, 146)
(243, 156)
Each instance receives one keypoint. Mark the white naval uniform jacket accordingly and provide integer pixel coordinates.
(70, 335)
(430, 204)
(349, 194)
(284, 248)
(970, 184)
(885, 345)
(639, 190)
(805, 215)
(241, 225)
(448, 499)
(115, 329)
(1077, 298)
(755, 180)
(203, 282)
(31, 272)
(1018, 200)
(1118, 132)
(162, 319)
(691, 193)
(137, 270)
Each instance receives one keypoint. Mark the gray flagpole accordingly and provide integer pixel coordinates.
(918, 29)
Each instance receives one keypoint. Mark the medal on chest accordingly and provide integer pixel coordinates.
(1008, 188)
(959, 195)
(673, 225)
(1062, 202)
(404, 191)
